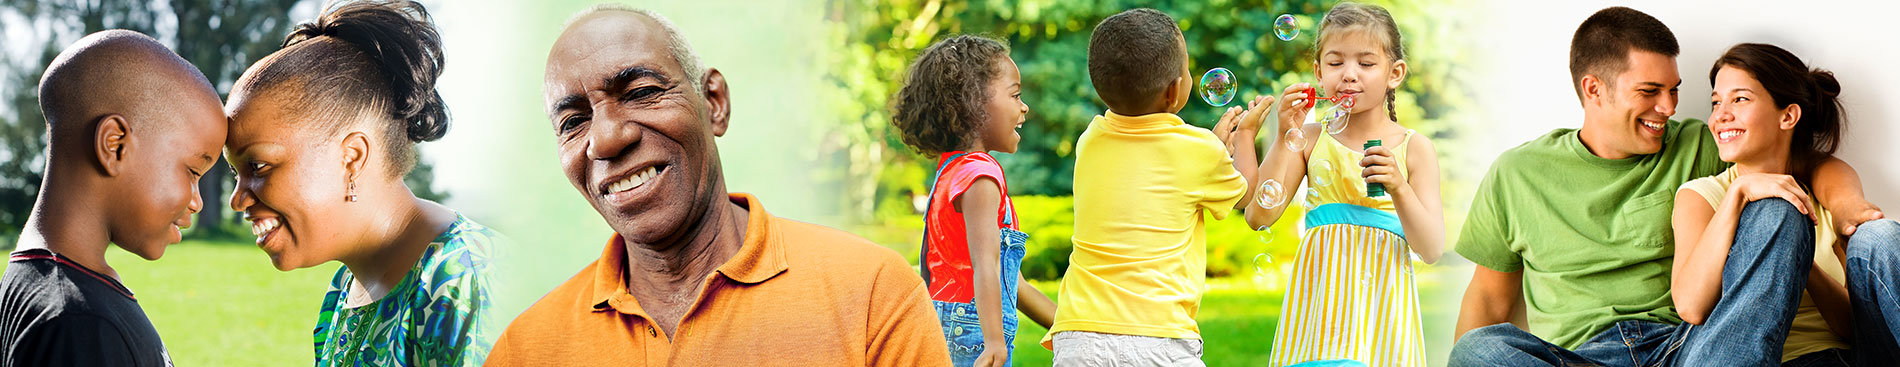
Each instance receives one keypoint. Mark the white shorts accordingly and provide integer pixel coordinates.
(1082, 348)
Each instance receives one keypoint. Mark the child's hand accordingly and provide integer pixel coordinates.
(994, 355)
(1381, 168)
(1293, 106)
(1227, 127)
(1255, 115)
(1239, 123)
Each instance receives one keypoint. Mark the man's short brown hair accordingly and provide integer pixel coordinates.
(1604, 41)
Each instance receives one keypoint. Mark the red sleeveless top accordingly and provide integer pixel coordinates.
(949, 254)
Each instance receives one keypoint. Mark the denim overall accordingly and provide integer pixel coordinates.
(962, 330)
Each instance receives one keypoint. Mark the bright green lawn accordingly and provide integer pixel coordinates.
(222, 304)
(1238, 317)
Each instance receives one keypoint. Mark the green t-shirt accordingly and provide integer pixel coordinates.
(1591, 235)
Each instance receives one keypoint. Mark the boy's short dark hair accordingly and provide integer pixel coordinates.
(1134, 57)
(1603, 43)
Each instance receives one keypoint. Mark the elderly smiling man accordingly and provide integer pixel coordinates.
(693, 275)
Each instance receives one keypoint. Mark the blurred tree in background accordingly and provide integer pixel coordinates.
(884, 179)
(220, 37)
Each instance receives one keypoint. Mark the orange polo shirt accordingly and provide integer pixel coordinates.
(796, 294)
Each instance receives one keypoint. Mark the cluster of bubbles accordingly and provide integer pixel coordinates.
(1286, 28)
(1218, 86)
(1263, 272)
(1272, 194)
(1333, 119)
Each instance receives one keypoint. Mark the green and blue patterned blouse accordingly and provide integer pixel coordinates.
(437, 316)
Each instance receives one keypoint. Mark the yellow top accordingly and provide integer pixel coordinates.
(1142, 185)
(1332, 173)
(1809, 333)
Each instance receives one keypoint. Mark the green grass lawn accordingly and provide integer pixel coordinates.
(222, 304)
(1237, 320)
(1239, 315)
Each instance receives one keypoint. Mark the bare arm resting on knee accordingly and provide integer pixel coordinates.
(1493, 297)
(1837, 186)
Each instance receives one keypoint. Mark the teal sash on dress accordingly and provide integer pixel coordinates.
(1342, 213)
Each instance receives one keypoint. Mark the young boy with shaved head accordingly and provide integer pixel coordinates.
(131, 127)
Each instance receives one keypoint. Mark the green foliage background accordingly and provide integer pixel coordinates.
(882, 180)
(876, 40)
(221, 37)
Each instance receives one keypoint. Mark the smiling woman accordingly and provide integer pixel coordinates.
(323, 132)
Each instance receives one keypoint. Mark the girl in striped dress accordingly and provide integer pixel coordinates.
(1352, 294)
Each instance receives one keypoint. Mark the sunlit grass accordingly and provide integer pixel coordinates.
(222, 304)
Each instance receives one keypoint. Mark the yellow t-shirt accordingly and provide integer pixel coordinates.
(1809, 333)
(1139, 267)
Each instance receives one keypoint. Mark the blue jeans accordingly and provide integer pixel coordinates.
(1762, 282)
(962, 330)
(1825, 358)
(1873, 282)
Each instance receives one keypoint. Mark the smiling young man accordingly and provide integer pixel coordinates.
(1575, 267)
(132, 127)
(693, 275)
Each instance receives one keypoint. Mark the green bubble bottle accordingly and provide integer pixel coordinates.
(1373, 189)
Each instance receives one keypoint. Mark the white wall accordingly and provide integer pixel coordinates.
(1526, 90)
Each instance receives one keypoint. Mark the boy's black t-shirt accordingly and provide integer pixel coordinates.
(54, 312)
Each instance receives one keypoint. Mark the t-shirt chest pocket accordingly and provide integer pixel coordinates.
(1644, 221)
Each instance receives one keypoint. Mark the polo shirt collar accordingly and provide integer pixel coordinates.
(761, 258)
(1148, 121)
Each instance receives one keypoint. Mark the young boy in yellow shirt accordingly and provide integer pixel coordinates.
(1143, 180)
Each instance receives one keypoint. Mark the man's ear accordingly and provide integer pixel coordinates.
(1591, 90)
(355, 154)
(718, 100)
(110, 138)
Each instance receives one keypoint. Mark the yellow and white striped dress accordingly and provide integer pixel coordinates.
(1352, 293)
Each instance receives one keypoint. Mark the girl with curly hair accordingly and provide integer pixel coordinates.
(962, 100)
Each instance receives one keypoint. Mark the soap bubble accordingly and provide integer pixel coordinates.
(1286, 28)
(1271, 194)
(1320, 172)
(1261, 259)
(1217, 86)
(1334, 118)
(1312, 198)
(1295, 140)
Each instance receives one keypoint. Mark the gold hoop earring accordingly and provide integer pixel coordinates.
(351, 195)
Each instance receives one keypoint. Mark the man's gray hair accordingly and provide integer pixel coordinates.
(675, 43)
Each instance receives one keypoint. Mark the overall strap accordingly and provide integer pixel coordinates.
(923, 258)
